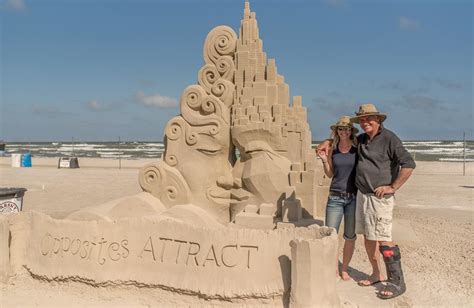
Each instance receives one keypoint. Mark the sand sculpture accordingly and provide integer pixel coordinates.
(221, 212)
(240, 94)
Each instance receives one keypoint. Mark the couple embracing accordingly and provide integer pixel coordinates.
(366, 170)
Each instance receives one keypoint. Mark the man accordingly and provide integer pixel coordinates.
(384, 165)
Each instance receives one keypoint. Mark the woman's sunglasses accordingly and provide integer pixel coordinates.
(342, 129)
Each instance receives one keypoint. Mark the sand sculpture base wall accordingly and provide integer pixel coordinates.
(223, 263)
(4, 252)
(310, 259)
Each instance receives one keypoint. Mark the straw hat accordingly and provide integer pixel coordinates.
(345, 121)
(368, 110)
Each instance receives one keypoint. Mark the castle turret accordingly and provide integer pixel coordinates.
(262, 112)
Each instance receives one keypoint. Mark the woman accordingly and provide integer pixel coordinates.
(340, 164)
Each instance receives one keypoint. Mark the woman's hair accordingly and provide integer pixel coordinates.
(335, 137)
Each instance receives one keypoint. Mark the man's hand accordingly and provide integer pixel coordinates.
(382, 190)
(403, 176)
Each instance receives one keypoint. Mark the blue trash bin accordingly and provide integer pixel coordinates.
(26, 160)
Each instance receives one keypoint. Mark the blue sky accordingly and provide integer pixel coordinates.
(98, 69)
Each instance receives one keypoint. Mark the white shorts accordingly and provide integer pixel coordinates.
(374, 216)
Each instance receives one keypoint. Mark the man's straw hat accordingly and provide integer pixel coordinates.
(368, 110)
(344, 121)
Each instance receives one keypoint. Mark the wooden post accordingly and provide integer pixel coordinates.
(463, 153)
(120, 155)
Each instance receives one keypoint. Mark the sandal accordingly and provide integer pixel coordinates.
(362, 283)
(394, 289)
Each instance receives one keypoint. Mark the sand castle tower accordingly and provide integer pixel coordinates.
(272, 136)
(261, 102)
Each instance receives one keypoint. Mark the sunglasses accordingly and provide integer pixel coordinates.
(368, 118)
(343, 129)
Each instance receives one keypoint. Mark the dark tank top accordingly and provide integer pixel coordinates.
(344, 169)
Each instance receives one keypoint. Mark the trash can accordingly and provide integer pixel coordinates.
(16, 160)
(26, 160)
(68, 162)
(11, 199)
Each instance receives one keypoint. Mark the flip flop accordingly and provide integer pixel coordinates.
(371, 283)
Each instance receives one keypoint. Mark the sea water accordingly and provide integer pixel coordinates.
(421, 150)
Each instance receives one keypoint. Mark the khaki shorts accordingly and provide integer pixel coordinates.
(374, 216)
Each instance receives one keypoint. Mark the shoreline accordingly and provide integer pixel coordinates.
(107, 162)
(85, 162)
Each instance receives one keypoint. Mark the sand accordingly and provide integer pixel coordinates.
(433, 226)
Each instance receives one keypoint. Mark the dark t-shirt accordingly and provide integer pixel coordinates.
(344, 170)
(380, 160)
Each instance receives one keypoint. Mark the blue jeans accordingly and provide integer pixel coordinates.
(338, 207)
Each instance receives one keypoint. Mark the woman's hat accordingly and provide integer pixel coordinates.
(345, 121)
(368, 110)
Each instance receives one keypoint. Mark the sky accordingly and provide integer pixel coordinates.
(94, 70)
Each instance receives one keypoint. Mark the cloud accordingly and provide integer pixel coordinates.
(334, 108)
(335, 3)
(146, 83)
(155, 100)
(14, 5)
(408, 24)
(396, 85)
(50, 111)
(335, 94)
(449, 84)
(401, 86)
(95, 105)
(453, 85)
(424, 103)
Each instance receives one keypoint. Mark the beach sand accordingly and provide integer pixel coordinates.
(433, 226)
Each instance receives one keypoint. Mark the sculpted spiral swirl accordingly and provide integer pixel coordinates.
(164, 182)
(208, 75)
(224, 90)
(192, 97)
(225, 66)
(174, 129)
(199, 108)
(171, 160)
(221, 41)
(151, 177)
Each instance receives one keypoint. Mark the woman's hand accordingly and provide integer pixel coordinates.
(324, 147)
(322, 155)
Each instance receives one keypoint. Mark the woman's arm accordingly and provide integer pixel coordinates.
(327, 162)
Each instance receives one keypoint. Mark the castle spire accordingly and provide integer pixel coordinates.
(247, 10)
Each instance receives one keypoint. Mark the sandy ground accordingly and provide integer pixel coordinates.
(433, 226)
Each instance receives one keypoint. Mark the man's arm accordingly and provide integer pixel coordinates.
(404, 159)
(403, 176)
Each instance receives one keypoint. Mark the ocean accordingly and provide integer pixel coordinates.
(440, 150)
